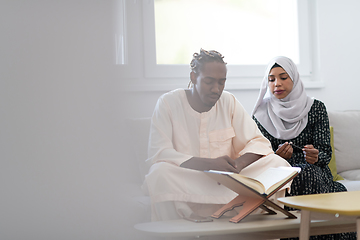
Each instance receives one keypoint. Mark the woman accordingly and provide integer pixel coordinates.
(298, 129)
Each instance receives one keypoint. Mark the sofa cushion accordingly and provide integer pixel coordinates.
(351, 185)
(353, 175)
(332, 164)
(346, 132)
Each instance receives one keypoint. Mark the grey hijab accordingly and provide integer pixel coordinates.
(283, 118)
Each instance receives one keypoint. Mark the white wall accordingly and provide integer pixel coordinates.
(339, 52)
(62, 107)
(60, 121)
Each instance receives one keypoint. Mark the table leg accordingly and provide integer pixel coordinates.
(358, 227)
(304, 225)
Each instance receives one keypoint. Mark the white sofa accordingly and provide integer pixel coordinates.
(346, 129)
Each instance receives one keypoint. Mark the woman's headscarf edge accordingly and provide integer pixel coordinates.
(264, 85)
(276, 127)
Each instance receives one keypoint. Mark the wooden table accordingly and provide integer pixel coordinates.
(332, 205)
(256, 226)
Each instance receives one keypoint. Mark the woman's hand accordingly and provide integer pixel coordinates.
(285, 150)
(311, 154)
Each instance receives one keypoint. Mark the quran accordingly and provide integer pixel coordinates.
(254, 192)
(266, 183)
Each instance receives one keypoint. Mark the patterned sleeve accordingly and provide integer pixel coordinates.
(321, 134)
(317, 133)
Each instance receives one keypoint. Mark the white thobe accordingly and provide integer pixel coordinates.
(179, 133)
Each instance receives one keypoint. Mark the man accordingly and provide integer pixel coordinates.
(197, 129)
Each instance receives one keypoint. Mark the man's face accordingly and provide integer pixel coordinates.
(210, 82)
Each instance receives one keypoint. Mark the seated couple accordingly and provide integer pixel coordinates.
(206, 128)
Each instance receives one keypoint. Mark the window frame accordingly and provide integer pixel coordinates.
(243, 76)
(121, 46)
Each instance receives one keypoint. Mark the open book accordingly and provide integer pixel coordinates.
(253, 192)
(266, 183)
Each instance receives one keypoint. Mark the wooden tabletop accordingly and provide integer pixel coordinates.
(343, 203)
(257, 226)
(252, 223)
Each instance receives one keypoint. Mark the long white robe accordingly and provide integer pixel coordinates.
(179, 133)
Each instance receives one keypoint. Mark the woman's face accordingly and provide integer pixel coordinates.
(280, 83)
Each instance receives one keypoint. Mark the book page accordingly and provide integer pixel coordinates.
(267, 181)
(250, 182)
(274, 177)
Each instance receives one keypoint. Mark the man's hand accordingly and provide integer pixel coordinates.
(311, 154)
(285, 150)
(223, 163)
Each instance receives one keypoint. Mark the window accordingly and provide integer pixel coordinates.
(248, 33)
